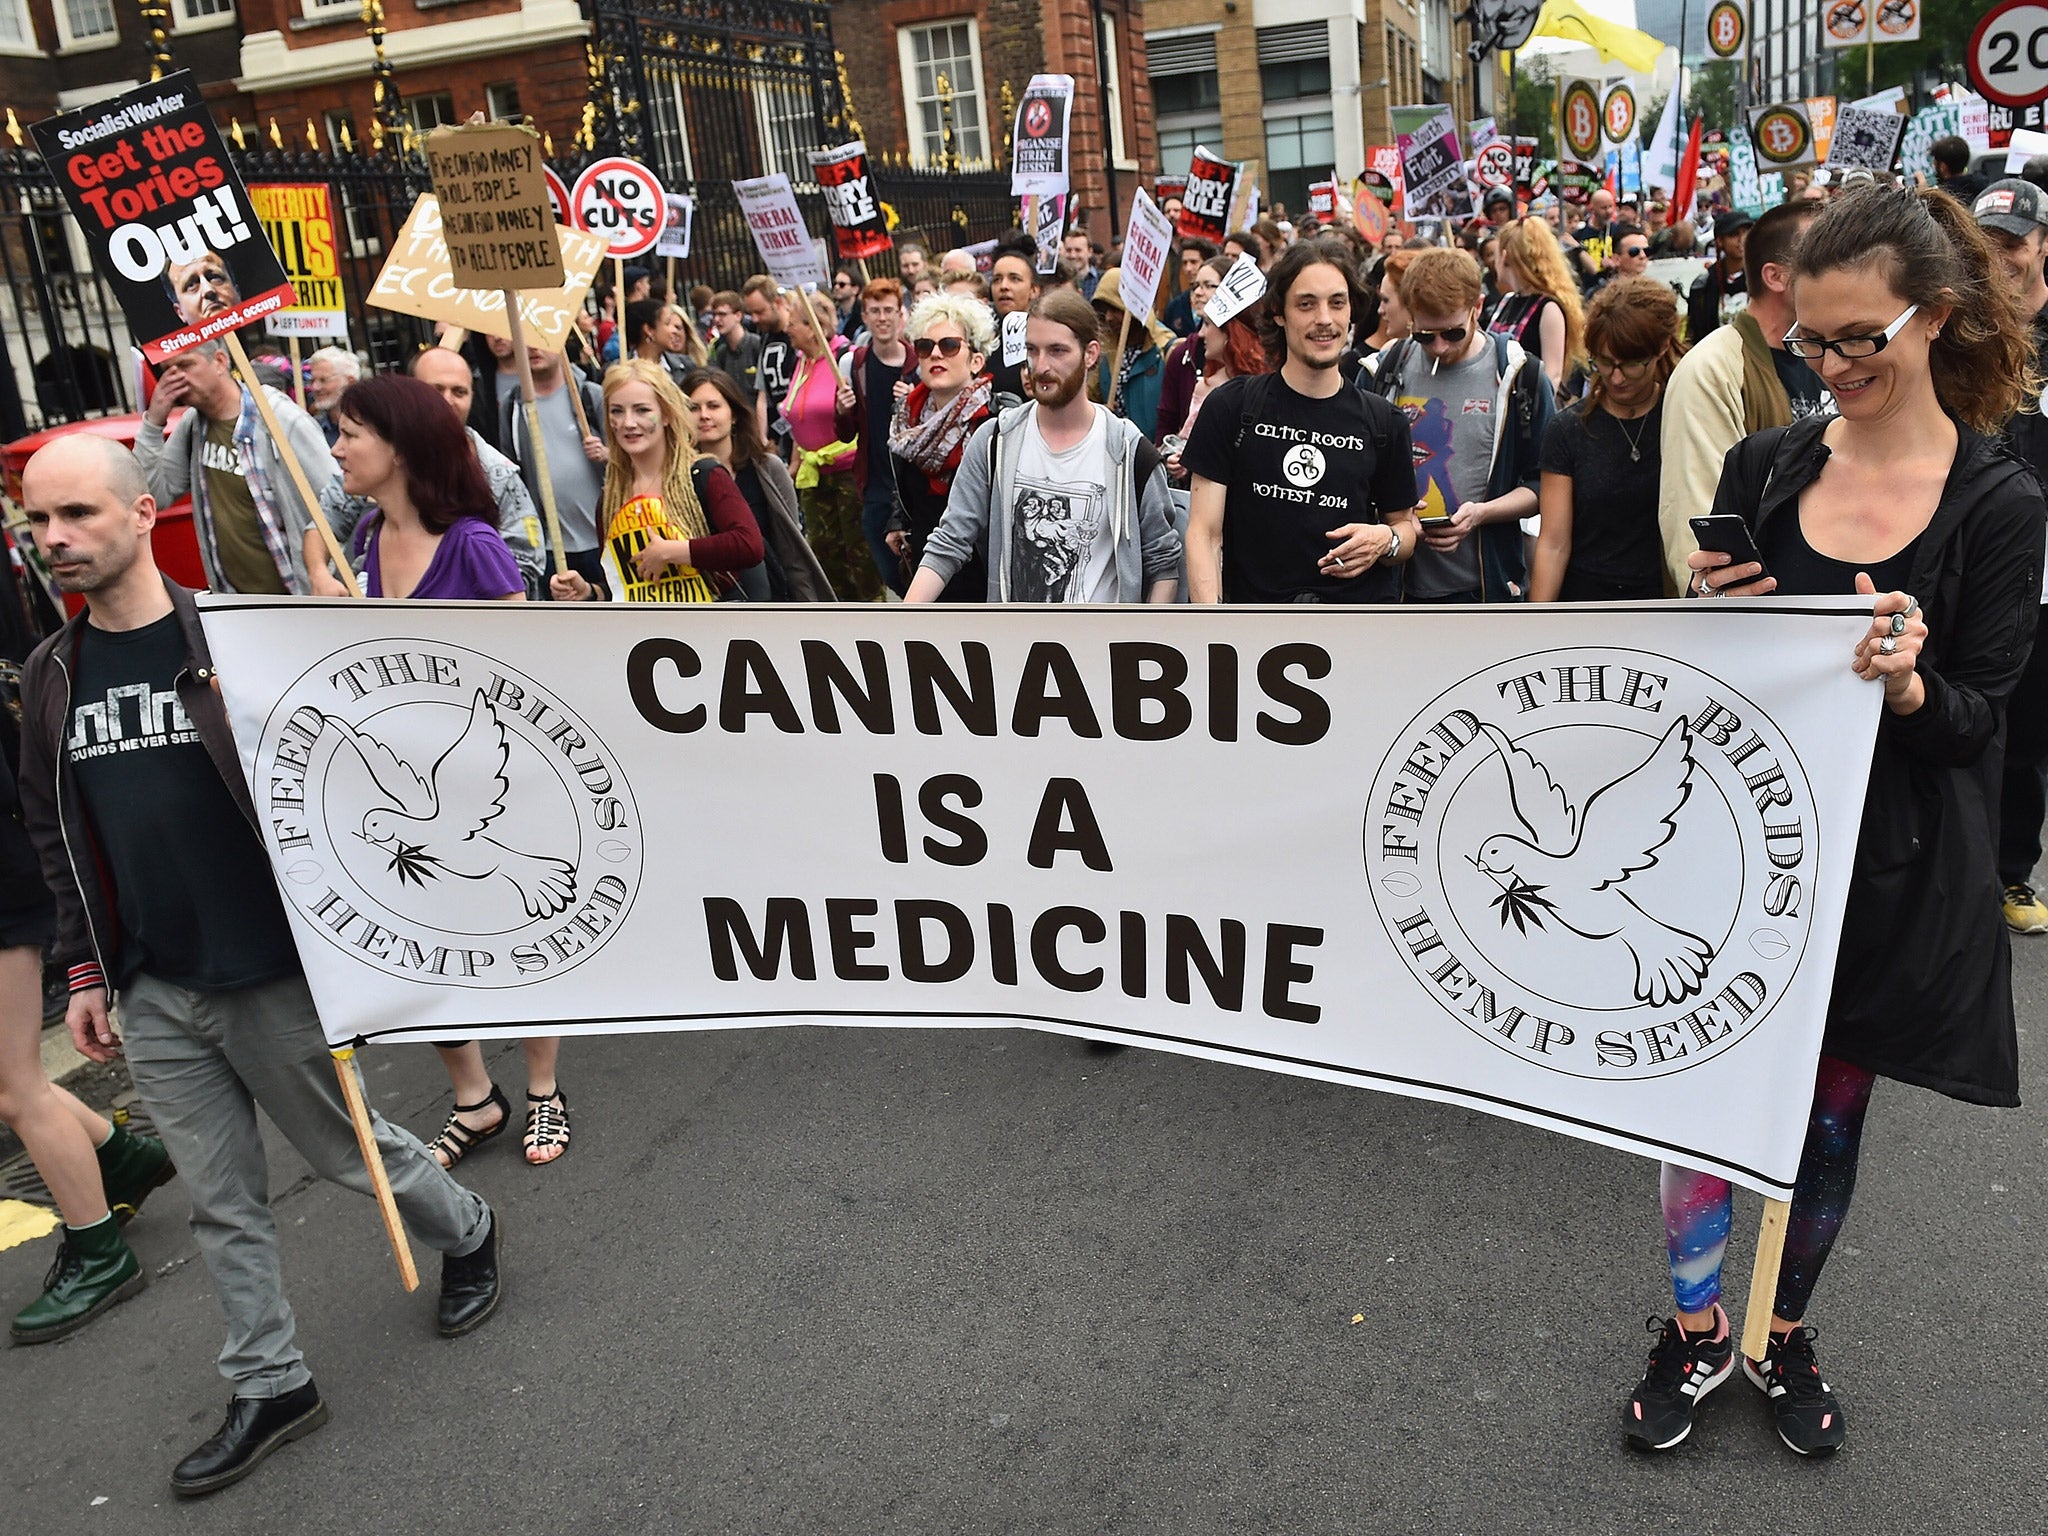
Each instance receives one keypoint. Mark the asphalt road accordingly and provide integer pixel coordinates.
(816, 1281)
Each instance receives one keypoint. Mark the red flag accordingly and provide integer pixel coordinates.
(1687, 190)
(1614, 177)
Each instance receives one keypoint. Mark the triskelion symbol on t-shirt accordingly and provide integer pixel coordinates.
(1302, 465)
(1056, 528)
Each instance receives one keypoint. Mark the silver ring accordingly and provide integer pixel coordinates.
(1898, 623)
(1888, 646)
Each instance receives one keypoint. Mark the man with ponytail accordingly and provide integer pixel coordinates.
(1909, 498)
(2014, 214)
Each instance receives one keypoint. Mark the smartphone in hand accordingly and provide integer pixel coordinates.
(1729, 535)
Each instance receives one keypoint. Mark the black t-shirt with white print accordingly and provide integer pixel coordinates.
(1296, 469)
(192, 887)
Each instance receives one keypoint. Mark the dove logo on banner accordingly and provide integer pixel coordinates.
(1599, 861)
(444, 818)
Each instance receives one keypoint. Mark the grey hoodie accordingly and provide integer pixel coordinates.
(1148, 545)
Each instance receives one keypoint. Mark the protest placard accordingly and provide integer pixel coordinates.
(1046, 218)
(416, 280)
(675, 231)
(1039, 145)
(859, 227)
(1242, 287)
(1435, 950)
(164, 215)
(1432, 169)
(496, 221)
(1206, 201)
(298, 218)
(1322, 201)
(1865, 138)
(1148, 246)
(1781, 137)
(777, 225)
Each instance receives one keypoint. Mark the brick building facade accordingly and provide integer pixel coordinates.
(896, 49)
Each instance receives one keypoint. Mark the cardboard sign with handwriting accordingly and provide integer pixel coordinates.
(496, 221)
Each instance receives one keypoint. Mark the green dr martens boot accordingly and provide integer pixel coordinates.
(95, 1270)
(131, 1166)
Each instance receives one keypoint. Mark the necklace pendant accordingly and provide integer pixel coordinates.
(1635, 455)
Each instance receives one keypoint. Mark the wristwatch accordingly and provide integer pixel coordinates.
(1394, 548)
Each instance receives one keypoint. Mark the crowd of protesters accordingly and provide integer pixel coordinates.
(1513, 411)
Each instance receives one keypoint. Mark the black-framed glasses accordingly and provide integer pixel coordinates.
(945, 346)
(1450, 335)
(1634, 368)
(1810, 347)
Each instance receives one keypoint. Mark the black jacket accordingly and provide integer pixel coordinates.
(1923, 982)
(88, 922)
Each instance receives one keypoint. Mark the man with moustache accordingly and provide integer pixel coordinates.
(1271, 452)
(1067, 503)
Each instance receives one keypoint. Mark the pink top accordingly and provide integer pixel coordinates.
(812, 405)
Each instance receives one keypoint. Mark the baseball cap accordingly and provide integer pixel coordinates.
(2012, 207)
(1726, 224)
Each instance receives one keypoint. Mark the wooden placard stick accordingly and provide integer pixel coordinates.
(380, 1181)
(1763, 1278)
(1116, 369)
(530, 404)
(452, 339)
(572, 380)
(669, 281)
(291, 463)
(298, 374)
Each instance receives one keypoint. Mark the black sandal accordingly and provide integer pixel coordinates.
(457, 1140)
(547, 1125)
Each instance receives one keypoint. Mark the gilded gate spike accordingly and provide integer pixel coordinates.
(312, 137)
(235, 133)
(13, 127)
(276, 136)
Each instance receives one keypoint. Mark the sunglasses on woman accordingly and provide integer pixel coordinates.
(945, 346)
(1849, 346)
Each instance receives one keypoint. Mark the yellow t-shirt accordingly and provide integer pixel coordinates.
(632, 528)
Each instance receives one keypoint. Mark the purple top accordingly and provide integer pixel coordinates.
(471, 561)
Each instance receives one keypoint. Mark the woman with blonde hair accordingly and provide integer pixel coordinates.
(675, 527)
(1539, 304)
(818, 392)
(953, 336)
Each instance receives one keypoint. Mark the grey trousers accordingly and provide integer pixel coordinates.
(203, 1062)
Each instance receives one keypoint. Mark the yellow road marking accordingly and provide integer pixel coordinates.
(21, 1223)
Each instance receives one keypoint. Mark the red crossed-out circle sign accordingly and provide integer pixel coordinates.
(558, 198)
(2008, 53)
(1494, 166)
(620, 202)
(1038, 117)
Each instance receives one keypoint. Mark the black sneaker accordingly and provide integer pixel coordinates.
(1808, 1414)
(1682, 1371)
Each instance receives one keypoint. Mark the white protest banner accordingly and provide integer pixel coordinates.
(1372, 875)
(416, 280)
(1242, 287)
(779, 233)
(1046, 218)
(1148, 242)
(675, 233)
(1039, 144)
(621, 200)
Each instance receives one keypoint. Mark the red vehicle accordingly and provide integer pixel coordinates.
(176, 541)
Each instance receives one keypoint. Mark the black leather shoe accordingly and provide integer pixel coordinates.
(469, 1286)
(254, 1427)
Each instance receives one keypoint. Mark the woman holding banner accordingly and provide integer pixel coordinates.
(952, 336)
(1908, 498)
(676, 527)
(824, 461)
(434, 534)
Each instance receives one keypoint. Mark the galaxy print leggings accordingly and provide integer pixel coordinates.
(1697, 1206)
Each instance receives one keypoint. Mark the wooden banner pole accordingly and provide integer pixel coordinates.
(1116, 368)
(573, 380)
(669, 282)
(380, 1181)
(298, 373)
(452, 339)
(1763, 1279)
(533, 432)
(291, 463)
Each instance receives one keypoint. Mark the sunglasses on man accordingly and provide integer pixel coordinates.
(1450, 335)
